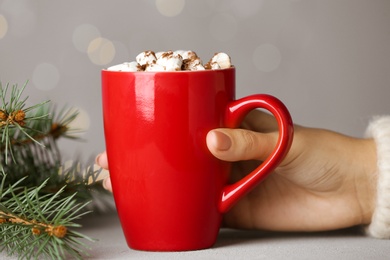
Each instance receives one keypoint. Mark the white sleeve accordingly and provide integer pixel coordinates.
(379, 130)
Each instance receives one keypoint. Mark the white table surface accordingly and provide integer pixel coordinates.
(240, 244)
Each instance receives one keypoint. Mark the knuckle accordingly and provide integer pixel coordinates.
(249, 144)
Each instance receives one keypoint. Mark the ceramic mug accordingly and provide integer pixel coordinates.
(170, 191)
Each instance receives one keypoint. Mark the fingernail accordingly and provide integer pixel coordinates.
(222, 141)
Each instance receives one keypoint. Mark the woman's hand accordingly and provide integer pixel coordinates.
(327, 180)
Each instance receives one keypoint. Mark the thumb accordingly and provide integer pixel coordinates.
(240, 144)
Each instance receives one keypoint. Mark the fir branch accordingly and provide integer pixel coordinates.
(60, 126)
(37, 164)
(44, 196)
(35, 226)
(31, 127)
(44, 127)
(13, 117)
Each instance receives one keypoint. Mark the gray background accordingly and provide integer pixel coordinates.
(328, 61)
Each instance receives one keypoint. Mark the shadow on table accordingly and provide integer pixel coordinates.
(234, 237)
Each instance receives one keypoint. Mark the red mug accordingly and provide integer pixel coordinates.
(170, 191)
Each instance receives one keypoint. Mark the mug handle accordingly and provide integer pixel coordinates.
(235, 113)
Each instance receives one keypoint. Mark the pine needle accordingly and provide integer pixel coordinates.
(40, 197)
(39, 230)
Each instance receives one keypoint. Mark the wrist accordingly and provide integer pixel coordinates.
(379, 130)
(366, 179)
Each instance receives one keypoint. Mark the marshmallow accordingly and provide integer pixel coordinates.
(187, 55)
(154, 67)
(145, 58)
(173, 61)
(170, 61)
(158, 54)
(219, 61)
(180, 52)
(127, 66)
(193, 64)
(191, 61)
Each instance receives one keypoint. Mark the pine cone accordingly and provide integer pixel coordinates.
(3, 115)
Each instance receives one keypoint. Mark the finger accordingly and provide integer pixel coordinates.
(239, 144)
(259, 121)
(107, 184)
(101, 160)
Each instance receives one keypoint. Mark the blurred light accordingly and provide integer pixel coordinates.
(3, 26)
(223, 27)
(267, 57)
(83, 35)
(81, 123)
(45, 76)
(101, 51)
(21, 14)
(170, 8)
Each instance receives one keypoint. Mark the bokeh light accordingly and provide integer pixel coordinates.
(3, 26)
(267, 57)
(170, 8)
(83, 35)
(45, 76)
(22, 15)
(101, 51)
(223, 27)
(82, 122)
